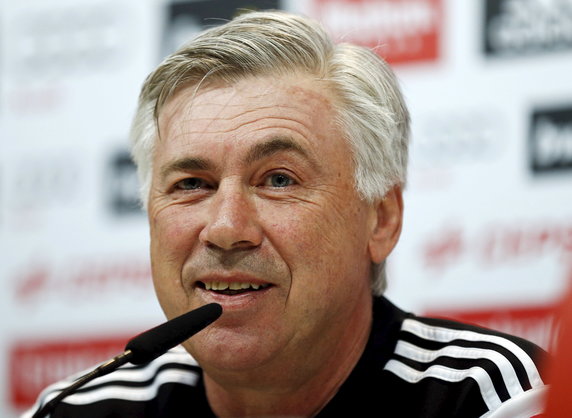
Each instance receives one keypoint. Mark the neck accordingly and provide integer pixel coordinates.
(293, 389)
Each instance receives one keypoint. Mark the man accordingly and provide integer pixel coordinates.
(272, 164)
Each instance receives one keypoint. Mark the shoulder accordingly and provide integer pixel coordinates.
(481, 367)
(129, 388)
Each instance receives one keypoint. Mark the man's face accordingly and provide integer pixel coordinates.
(253, 206)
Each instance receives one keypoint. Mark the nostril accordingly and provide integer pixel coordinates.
(243, 244)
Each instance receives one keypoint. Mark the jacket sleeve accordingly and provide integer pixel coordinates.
(526, 405)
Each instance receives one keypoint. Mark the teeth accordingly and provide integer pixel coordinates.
(218, 286)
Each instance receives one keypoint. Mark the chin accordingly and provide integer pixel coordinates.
(227, 350)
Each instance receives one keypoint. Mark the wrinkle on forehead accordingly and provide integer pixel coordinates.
(309, 88)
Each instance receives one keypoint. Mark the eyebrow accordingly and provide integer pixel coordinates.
(256, 153)
(186, 164)
(274, 146)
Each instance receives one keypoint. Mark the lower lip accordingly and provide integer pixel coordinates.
(236, 302)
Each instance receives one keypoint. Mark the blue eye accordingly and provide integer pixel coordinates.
(192, 183)
(280, 180)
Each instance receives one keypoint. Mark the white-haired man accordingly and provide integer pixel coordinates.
(272, 163)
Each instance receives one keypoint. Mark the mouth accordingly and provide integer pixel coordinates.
(232, 288)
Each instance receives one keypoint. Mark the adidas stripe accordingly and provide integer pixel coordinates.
(413, 361)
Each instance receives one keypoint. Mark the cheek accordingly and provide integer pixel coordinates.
(171, 243)
(171, 233)
(315, 240)
(338, 240)
(294, 235)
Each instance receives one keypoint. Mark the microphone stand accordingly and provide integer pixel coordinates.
(102, 370)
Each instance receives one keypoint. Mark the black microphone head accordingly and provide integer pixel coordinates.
(152, 343)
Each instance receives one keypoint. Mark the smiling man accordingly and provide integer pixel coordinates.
(253, 205)
(272, 164)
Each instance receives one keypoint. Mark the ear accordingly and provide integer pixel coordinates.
(386, 225)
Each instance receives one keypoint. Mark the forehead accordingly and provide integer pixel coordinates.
(297, 103)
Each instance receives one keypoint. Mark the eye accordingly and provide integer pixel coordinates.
(191, 183)
(279, 180)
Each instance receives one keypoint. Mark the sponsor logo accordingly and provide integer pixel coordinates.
(123, 185)
(518, 27)
(533, 323)
(63, 41)
(185, 19)
(33, 365)
(401, 31)
(86, 279)
(498, 244)
(550, 140)
(455, 138)
(37, 183)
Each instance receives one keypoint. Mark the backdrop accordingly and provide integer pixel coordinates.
(488, 220)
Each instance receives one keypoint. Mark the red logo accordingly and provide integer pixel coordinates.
(35, 365)
(533, 323)
(401, 31)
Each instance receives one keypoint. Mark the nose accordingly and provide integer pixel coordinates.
(232, 220)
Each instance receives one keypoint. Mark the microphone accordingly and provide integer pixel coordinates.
(145, 347)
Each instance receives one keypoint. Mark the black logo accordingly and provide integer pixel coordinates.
(519, 27)
(551, 140)
(185, 19)
(123, 191)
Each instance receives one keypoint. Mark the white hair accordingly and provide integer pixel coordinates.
(371, 111)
